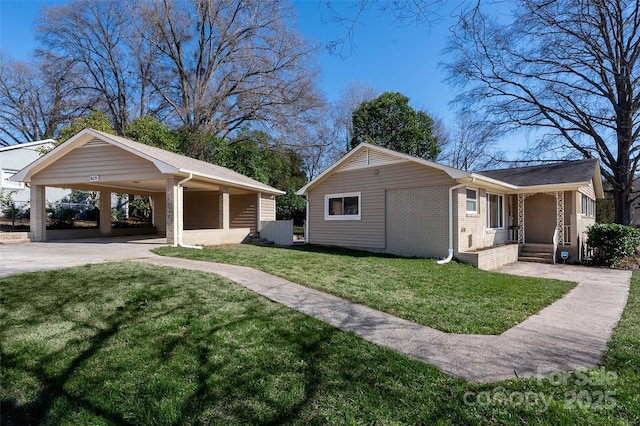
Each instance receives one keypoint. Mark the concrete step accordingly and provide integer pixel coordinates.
(536, 254)
(538, 247)
(535, 259)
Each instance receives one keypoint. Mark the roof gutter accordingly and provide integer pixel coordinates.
(181, 205)
(450, 254)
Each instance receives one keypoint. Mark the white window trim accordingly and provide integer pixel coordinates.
(467, 200)
(489, 212)
(588, 209)
(344, 216)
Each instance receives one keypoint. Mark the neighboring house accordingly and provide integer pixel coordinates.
(16, 157)
(194, 202)
(380, 200)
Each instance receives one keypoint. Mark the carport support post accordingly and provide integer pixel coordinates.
(224, 208)
(174, 209)
(105, 212)
(38, 213)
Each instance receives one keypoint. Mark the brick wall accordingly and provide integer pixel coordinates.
(417, 221)
(491, 258)
(213, 237)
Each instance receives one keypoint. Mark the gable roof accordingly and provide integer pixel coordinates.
(546, 174)
(166, 162)
(390, 154)
(559, 176)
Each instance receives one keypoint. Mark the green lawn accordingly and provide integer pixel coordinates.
(128, 343)
(455, 298)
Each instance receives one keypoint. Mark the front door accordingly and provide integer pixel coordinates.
(539, 218)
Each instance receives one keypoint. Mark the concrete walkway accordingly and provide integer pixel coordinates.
(571, 333)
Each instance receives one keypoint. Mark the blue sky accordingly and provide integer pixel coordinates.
(386, 56)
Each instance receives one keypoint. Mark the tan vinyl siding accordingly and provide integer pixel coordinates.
(109, 162)
(372, 183)
(160, 212)
(242, 211)
(267, 207)
(201, 209)
(370, 158)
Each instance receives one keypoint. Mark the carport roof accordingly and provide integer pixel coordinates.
(166, 162)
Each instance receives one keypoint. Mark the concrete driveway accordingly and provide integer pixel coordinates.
(29, 257)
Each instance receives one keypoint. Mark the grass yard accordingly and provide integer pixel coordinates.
(133, 344)
(455, 298)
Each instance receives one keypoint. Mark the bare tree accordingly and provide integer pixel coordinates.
(225, 63)
(570, 67)
(350, 100)
(349, 14)
(35, 100)
(471, 143)
(93, 35)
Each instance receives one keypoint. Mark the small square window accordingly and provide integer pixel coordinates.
(472, 200)
(342, 206)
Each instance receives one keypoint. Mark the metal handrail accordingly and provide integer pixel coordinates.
(555, 244)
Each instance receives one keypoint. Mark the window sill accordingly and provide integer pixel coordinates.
(469, 214)
(342, 218)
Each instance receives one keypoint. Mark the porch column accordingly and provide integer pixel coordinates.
(560, 216)
(38, 213)
(223, 203)
(521, 198)
(173, 211)
(105, 212)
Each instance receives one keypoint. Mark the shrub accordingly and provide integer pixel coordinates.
(62, 218)
(611, 242)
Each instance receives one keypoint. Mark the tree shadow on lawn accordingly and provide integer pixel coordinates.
(342, 251)
(222, 362)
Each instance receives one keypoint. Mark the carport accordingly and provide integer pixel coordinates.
(194, 202)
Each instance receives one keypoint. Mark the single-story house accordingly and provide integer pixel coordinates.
(380, 200)
(194, 202)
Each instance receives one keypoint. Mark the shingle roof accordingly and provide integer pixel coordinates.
(188, 164)
(546, 174)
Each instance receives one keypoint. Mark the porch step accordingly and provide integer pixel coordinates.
(537, 253)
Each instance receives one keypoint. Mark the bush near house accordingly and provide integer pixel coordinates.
(611, 243)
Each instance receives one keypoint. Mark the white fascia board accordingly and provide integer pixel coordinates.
(597, 182)
(330, 169)
(183, 172)
(161, 165)
(554, 187)
(492, 182)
